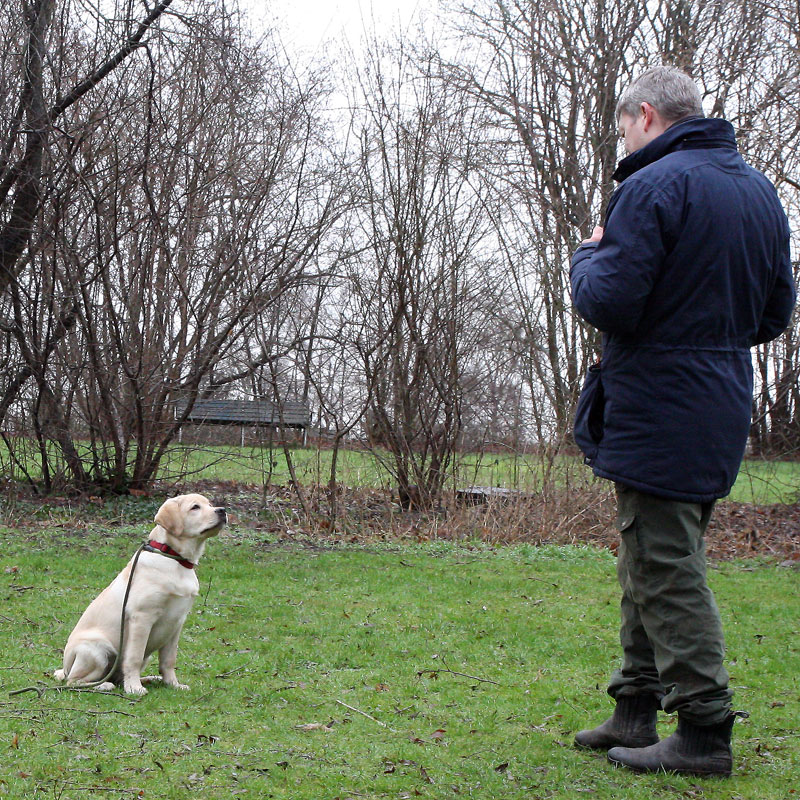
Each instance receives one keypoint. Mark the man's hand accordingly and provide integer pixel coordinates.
(597, 235)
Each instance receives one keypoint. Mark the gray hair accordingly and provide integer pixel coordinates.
(671, 92)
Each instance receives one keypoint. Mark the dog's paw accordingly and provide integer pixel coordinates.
(175, 685)
(106, 687)
(60, 675)
(151, 679)
(131, 688)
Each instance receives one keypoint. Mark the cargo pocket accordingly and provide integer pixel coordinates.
(628, 552)
(625, 522)
(588, 429)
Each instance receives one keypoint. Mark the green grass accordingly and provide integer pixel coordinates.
(257, 465)
(766, 482)
(282, 638)
(759, 481)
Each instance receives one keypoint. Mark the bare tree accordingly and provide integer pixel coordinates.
(418, 283)
(549, 74)
(40, 83)
(546, 74)
(34, 117)
(178, 222)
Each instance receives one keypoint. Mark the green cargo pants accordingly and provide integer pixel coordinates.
(671, 633)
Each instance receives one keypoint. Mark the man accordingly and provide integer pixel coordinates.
(690, 271)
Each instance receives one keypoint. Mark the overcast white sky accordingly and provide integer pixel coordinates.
(305, 25)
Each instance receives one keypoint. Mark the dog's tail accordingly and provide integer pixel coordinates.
(62, 674)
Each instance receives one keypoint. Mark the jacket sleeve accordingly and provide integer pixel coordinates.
(780, 302)
(612, 280)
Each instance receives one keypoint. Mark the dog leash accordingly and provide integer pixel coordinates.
(86, 686)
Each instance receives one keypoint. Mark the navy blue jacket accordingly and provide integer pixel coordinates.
(693, 270)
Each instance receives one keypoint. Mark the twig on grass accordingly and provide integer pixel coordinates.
(208, 589)
(471, 677)
(40, 690)
(566, 702)
(231, 671)
(78, 788)
(39, 709)
(449, 671)
(364, 714)
(89, 710)
(541, 580)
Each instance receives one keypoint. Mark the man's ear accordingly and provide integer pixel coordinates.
(648, 112)
(170, 518)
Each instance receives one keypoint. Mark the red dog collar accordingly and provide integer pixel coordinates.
(169, 552)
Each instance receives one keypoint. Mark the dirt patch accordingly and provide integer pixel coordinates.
(738, 530)
(582, 515)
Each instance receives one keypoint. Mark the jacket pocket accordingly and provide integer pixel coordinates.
(589, 414)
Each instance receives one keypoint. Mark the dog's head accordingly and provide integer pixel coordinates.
(191, 516)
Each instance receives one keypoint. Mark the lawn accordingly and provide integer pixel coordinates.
(759, 481)
(434, 670)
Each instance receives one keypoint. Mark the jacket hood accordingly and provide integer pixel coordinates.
(688, 134)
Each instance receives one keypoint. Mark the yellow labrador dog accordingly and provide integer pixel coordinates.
(162, 592)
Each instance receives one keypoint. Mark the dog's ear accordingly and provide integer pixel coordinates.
(170, 518)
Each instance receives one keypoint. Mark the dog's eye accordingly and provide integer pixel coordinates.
(195, 507)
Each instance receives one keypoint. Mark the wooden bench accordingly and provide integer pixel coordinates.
(248, 414)
(480, 495)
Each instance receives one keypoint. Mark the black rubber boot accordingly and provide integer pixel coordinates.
(633, 724)
(691, 750)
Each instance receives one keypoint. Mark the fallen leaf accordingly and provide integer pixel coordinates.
(438, 735)
(314, 726)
